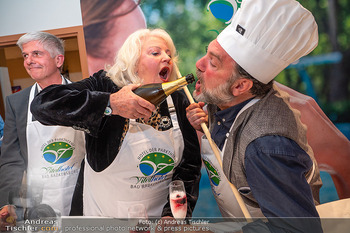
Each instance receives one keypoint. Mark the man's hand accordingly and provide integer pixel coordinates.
(196, 115)
(129, 105)
(8, 217)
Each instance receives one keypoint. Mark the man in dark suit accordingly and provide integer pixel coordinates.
(47, 158)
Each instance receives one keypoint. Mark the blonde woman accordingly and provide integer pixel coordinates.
(134, 150)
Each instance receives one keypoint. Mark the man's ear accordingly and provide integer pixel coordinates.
(241, 86)
(59, 60)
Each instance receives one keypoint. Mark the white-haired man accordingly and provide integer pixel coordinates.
(47, 157)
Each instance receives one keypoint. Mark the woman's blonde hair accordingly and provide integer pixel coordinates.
(123, 72)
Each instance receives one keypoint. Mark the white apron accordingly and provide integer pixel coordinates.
(140, 173)
(54, 157)
(220, 186)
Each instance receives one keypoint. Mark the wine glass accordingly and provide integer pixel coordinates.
(137, 215)
(178, 199)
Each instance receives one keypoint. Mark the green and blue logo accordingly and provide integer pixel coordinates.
(212, 173)
(156, 164)
(224, 10)
(58, 152)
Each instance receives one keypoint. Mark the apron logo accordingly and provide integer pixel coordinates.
(212, 173)
(156, 164)
(58, 152)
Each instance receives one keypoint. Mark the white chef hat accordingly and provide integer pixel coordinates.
(265, 36)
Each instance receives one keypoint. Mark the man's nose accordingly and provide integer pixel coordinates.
(29, 59)
(200, 65)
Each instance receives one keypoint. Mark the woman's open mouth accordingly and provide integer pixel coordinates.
(164, 74)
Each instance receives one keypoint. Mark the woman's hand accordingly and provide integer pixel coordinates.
(127, 104)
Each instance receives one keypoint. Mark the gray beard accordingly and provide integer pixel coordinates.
(220, 95)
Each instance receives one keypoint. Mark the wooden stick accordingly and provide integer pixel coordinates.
(217, 155)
